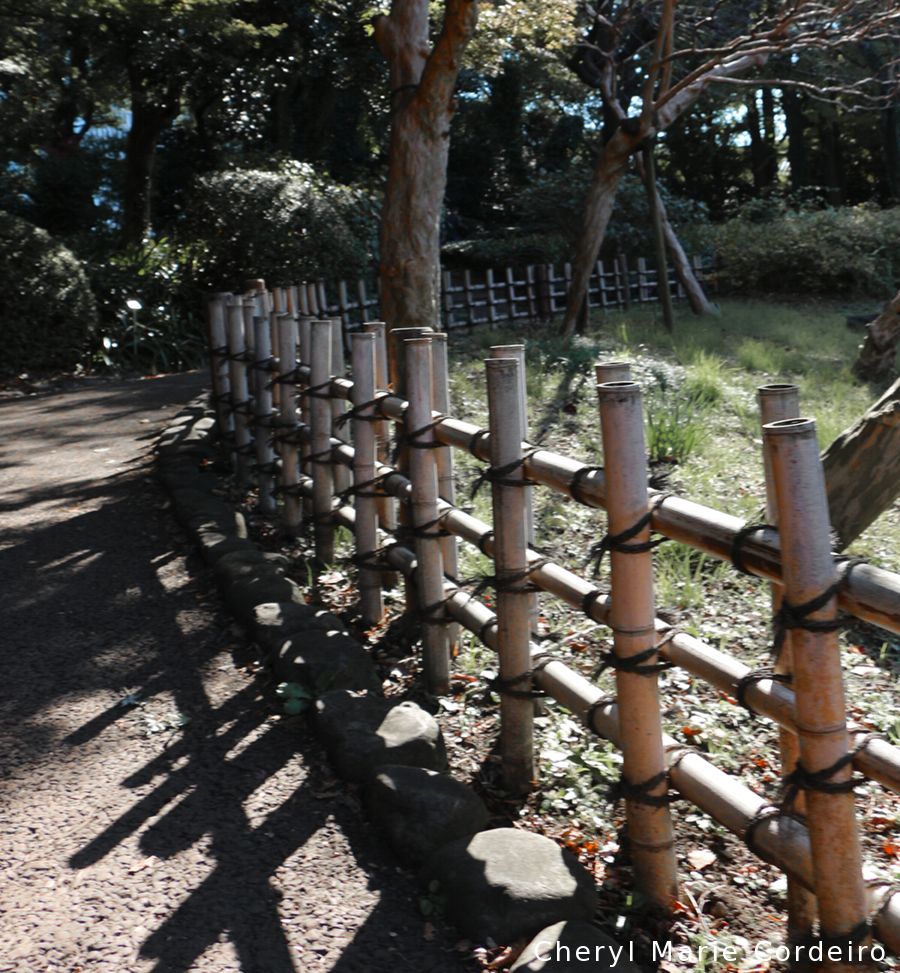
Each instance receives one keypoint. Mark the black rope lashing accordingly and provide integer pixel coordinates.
(376, 559)
(290, 435)
(321, 458)
(269, 364)
(220, 352)
(594, 708)
(500, 475)
(356, 412)
(483, 541)
(509, 583)
(791, 617)
(577, 482)
(801, 779)
(426, 532)
(851, 940)
(507, 686)
(620, 542)
(636, 665)
(412, 439)
(367, 488)
(475, 439)
(751, 679)
(590, 599)
(242, 407)
(765, 812)
(641, 793)
(290, 490)
(269, 468)
(740, 538)
(316, 391)
(286, 378)
(482, 632)
(242, 357)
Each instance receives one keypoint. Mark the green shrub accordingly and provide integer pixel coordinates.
(853, 250)
(47, 310)
(151, 309)
(283, 225)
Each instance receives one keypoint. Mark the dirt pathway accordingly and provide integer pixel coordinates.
(154, 813)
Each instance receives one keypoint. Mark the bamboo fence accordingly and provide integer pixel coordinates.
(402, 516)
(472, 297)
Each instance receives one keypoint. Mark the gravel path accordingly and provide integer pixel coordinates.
(155, 813)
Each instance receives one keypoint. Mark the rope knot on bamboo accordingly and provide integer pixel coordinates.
(316, 391)
(642, 793)
(576, 485)
(364, 411)
(508, 686)
(500, 475)
(802, 779)
(752, 678)
(620, 542)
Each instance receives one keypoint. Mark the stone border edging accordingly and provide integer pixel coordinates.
(502, 884)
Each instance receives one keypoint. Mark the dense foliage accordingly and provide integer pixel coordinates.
(853, 250)
(47, 310)
(180, 146)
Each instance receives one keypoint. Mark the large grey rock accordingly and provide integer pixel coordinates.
(190, 504)
(420, 810)
(244, 593)
(507, 883)
(250, 563)
(216, 543)
(325, 661)
(363, 733)
(581, 947)
(181, 474)
(275, 622)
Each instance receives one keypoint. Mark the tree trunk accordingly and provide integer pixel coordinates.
(878, 352)
(148, 120)
(598, 208)
(700, 303)
(770, 152)
(795, 123)
(422, 87)
(862, 468)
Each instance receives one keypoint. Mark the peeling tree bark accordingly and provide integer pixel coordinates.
(877, 354)
(422, 105)
(862, 468)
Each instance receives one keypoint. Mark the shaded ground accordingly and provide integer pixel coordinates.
(155, 813)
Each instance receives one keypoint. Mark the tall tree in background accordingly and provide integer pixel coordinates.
(423, 81)
(678, 58)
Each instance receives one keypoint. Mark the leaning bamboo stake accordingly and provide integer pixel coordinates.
(632, 619)
(362, 351)
(511, 573)
(777, 402)
(240, 395)
(218, 355)
(319, 405)
(289, 449)
(429, 577)
(824, 767)
(341, 475)
(518, 353)
(265, 456)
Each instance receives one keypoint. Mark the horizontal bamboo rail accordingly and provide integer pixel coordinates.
(869, 593)
(772, 832)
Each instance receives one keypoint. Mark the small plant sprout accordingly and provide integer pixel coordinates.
(295, 698)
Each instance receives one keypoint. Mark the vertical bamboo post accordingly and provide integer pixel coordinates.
(240, 395)
(304, 351)
(365, 527)
(510, 563)
(446, 487)
(249, 337)
(387, 506)
(342, 475)
(265, 456)
(290, 464)
(429, 575)
(218, 361)
(632, 615)
(518, 353)
(807, 572)
(397, 374)
(274, 318)
(320, 441)
(612, 371)
(777, 402)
